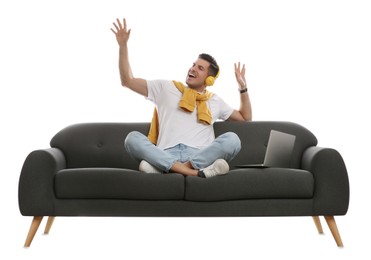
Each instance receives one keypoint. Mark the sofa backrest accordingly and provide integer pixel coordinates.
(97, 144)
(102, 144)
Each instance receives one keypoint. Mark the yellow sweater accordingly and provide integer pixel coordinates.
(190, 99)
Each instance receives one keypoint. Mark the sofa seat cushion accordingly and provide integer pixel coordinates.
(112, 183)
(250, 183)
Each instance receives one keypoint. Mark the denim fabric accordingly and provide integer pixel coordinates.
(225, 146)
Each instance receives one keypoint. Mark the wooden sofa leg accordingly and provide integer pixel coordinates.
(49, 224)
(334, 230)
(317, 222)
(31, 233)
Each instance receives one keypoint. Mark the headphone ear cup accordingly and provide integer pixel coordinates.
(210, 81)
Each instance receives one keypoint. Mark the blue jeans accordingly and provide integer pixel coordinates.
(225, 146)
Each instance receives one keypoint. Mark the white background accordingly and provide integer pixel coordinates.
(307, 61)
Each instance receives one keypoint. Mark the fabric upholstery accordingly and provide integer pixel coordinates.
(87, 172)
(97, 144)
(112, 183)
(269, 183)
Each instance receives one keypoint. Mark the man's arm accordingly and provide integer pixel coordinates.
(245, 111)
(127, 79)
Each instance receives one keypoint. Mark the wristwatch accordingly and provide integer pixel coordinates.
(243, 90)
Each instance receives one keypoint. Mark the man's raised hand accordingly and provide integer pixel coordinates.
(240, 75)
(121, 32)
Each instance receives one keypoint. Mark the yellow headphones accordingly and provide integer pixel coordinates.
(210, 80)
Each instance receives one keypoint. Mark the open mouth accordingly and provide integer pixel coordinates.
(191, 75)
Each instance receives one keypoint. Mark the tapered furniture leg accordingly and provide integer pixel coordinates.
(317, 222)
(31, 233)
(49, 224)
(334, 230)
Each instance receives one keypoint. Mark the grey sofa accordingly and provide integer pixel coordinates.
(87, 172)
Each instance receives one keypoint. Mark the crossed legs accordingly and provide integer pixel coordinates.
(181, 158)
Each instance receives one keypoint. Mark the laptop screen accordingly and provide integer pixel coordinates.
(279, 149)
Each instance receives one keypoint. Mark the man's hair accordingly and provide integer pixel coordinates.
(214, 67)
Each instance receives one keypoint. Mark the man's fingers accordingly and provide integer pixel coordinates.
(124, 23)
(240, 73)
(119, 23)
(117, 29)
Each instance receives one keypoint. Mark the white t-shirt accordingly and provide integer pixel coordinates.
(178, 126)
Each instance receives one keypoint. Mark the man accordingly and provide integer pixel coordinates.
(181, 137)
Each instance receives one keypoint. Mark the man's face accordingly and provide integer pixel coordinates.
(197, 74)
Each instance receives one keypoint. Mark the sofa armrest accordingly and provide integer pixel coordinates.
(331, 192)
(36, 183)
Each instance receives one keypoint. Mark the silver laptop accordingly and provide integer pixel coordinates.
(278, 153)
